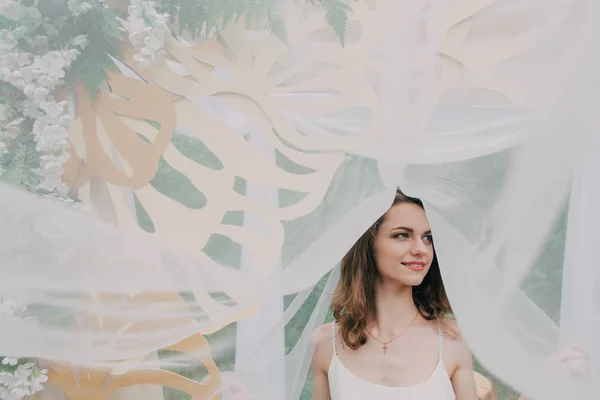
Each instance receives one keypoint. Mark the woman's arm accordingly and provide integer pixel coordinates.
(321, 359)
(462, 379)
(320, 385)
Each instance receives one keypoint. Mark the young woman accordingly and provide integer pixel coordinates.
(391, 339)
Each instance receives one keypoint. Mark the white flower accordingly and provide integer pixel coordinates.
(54, 139)
(79, 7)
(30, 109)
(159, 34)
(24, 371)
(51, 108)
(52, 176)
(27, 73)
(6, 112)
(29, 90)
(6, 378)
(147, 31)
(72, 55)
(136, 39)
(10, 361)
(153, 44)
(57, 66)
(136, 25)
(80, 41)
(18, 33)
(25, 381)
(162, 26)
(47, 81)
(9, 60)
(37, 380)
(23, 59)
(13, 128)
(140, 60)
(16, 81)
(18, 392)
(37, 76)
(40, 41)
(40, 94)
(65, 120)
(8, 308)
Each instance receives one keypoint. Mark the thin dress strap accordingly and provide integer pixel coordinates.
(333, 335)
(440, 341)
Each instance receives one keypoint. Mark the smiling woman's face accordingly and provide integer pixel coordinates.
(404, 245)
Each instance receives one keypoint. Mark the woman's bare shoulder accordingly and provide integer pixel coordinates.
(322, 337)
(322, 346)
(454, 343)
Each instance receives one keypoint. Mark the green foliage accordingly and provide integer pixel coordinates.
(20, 163)
(209, 17)
(19, 172)
(276, 23)
(57, 23)
(6, 23)
(336, 15)
(101, 27)
(198, 17)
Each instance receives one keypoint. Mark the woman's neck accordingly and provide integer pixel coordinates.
(395, 310)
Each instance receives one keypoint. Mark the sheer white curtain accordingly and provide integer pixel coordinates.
(481, 108)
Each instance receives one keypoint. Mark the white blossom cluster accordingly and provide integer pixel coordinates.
(8, 128)
(148, 31)
(37, 76)
(18, 379)
(13, 10)
(79, 7)
(24, 381)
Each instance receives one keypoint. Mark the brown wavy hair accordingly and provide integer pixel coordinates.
(354, 297)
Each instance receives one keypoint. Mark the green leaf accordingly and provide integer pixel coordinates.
(251, 12)
(101, 27)
(277, 27)
(192, 17)
(21, 163)
(213, 14)
(109, 23)
(230, 10)
(336, 16)
(89, 69)
(276, 23)
(170, 7)
(15, 173)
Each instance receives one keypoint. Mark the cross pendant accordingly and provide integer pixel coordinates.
(384, 349)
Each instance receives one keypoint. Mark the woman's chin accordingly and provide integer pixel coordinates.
(414, 280)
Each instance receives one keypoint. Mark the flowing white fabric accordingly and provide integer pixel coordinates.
(481, 108)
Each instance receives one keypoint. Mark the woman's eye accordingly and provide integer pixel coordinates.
(428, 238)
(401, 235)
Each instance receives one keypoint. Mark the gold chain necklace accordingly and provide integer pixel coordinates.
(394, 338)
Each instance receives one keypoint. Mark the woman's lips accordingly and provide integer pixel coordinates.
(414, 265)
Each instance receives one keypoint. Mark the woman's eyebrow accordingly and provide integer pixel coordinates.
(404, 228)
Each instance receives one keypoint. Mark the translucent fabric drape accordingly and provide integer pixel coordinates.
(271, 159)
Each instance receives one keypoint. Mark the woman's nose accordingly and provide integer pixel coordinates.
(418, 246)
